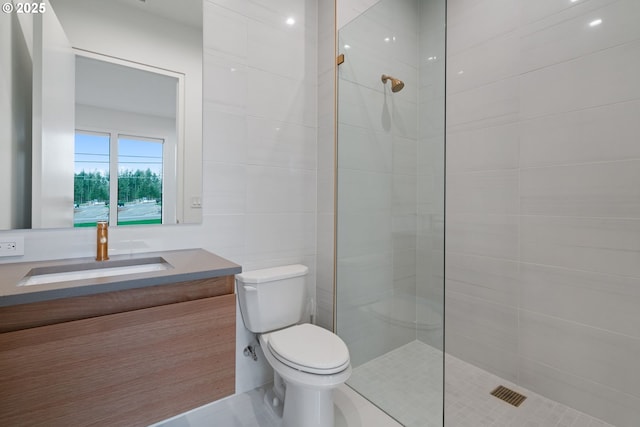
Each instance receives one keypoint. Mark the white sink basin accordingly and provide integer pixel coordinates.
(92, 270)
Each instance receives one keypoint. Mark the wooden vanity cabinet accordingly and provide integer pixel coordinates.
(131, 367)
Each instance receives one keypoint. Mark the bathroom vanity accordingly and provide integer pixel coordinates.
(118, 350)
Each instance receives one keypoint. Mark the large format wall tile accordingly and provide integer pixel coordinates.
(592, 244)
(471, 22)
(492, 192)
(490, 279)
(616, 407)
(229, 141)
(225, 31)
(277, 49)
(488, 235)
(596, 134)
(578, 83)
(600, 356)
(593, 190)
(227, 88)
(273, 236)
(569, 35)
(543, 103)
(487, 148)
(226, 193)
(326, 164)
(275, 143)
(484, 333)
(280, 190)
(474, 317)
(492, 104)
(504, 53)
(602, 301)
(364, 149)
(542, 10)
(364, 234)
(296, 98)
(373, 189)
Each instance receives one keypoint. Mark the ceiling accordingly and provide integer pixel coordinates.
(187, 12)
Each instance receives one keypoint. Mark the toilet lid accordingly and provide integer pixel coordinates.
(310, 348)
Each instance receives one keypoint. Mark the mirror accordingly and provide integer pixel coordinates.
(101, 110)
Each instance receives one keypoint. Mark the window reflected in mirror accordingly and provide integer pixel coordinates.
(135, 196)
(139, 181)
(91, 179)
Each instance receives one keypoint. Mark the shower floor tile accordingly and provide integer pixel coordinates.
(407, 384)
(468, 403)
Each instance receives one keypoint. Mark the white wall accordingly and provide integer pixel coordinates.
(543, 206)
(259, 157)
(52, 142)
(16, 42)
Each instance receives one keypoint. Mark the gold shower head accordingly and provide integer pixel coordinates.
(396, 84)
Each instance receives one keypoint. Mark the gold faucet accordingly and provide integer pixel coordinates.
(102, 240)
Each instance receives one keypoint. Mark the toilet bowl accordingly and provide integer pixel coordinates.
(308, 399)
(308, 361)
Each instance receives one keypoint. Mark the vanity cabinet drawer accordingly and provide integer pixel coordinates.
(24, 316)
(126, 369)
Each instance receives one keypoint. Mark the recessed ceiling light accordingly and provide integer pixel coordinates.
(290, 21)
(595, 22)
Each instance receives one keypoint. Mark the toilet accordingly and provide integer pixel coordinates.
(308, 361)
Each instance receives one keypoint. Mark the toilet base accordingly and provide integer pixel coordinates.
(274, 404)
(307, 407)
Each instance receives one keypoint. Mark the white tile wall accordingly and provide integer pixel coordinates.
(542, 203)
(326, 164)
(377, 197)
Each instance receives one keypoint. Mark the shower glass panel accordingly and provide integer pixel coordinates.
(390, 212)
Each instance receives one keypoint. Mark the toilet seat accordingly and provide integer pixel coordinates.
(309, 348)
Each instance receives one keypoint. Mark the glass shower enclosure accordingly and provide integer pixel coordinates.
(390, 206)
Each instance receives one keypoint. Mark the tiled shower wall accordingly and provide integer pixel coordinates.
(543, 201)
(430, 173)
(391, 175)
(377, 144)
(326, 163)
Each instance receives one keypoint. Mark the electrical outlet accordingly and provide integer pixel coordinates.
(11, 246)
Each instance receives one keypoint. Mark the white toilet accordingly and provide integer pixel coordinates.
(308, 361)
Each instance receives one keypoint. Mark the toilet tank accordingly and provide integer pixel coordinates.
(272, 298)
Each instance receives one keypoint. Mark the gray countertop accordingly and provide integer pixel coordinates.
(185, 265)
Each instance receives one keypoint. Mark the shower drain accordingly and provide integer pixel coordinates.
(511, 397)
